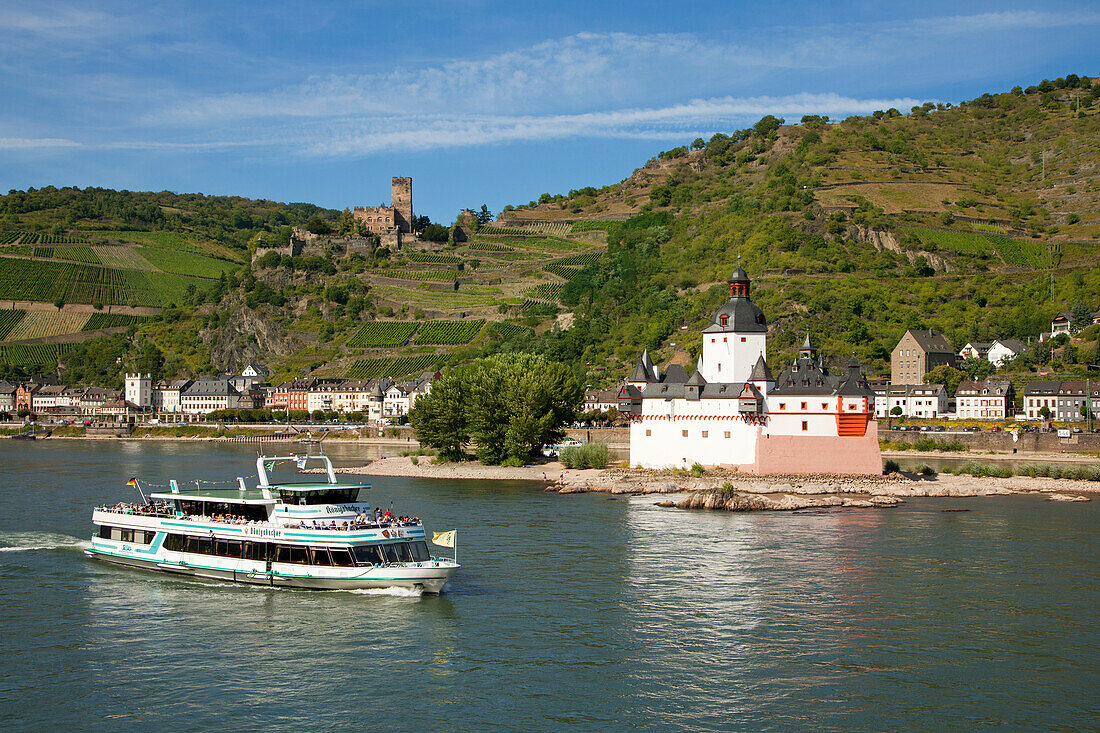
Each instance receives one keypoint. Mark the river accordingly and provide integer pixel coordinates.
(581, 612)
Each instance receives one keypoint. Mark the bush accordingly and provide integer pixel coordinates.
(926, 470)
(589, 455)
(890, 466)
(414, 460)
(696, 469)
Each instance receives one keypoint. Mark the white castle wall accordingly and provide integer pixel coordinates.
(715, 434)
(729, 356)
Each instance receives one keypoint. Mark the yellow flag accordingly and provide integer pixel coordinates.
(132, 482)
(444, 539)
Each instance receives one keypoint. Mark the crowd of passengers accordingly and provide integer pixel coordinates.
(148, 509)
(363, 520)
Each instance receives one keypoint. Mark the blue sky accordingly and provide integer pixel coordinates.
(480, 102)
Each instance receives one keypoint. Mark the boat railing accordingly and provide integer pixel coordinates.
(137, 511)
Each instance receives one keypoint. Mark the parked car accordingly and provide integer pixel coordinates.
(939, 428)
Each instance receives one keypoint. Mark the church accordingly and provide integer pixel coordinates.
(731, 412)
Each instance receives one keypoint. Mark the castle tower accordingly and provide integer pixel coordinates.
(139, 389)
(736, 338)
(402, 202)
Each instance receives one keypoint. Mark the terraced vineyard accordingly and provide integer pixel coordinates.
(582, 260)
(561, 270)
(544, 291)
(393, 367)
(964, 243)
(429, 257)
(33, 358)
(61, 239)
(1023, 253)
(10, 237)
(47, 281)
(422, 275)
(124, 258)
(39, 324)
(113, 320)
(382, 334)
(186, 263)
(448, 332)
(509, 331)
(9, 319)
(73, 254)
(589, 226)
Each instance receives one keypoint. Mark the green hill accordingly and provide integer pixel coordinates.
(980, 219)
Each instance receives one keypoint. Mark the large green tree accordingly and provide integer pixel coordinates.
(948, 376)
(507, 405)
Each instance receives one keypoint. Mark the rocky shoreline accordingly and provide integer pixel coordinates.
(731, 491)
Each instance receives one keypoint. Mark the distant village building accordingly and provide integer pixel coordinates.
(601, 400)
(139, 390)
(993, 399)
(918, 352)
(731, 412)
(974, 350)
(1061, 324)
(1002, 351)
(913, 400)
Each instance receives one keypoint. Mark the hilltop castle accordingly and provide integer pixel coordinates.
(394, 219)
(731, 412)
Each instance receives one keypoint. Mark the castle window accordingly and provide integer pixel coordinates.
(727, 433)
(648, 433)
(724, 340)
(803, 406)
(824, 406)
(705, 433)
(724, 319)
(684, 433)
(805, 425)
(743, 339)
(782, 405)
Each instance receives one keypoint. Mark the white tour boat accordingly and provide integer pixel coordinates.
(299, 535)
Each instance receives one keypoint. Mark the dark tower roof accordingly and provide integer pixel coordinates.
(739, 312)
(696, 379)
(760, 371)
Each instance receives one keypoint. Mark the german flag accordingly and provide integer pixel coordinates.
(132, 482)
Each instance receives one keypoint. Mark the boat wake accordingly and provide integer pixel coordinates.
(28, 541)
(395, 592)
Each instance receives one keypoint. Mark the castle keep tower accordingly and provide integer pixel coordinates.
(402, 202)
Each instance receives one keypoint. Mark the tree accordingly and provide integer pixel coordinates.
(435, 233)
(317, 225)
(1044, 412)
(420, 223)
(59, 303)
(508, 405)
(767, 125)
(484, 216)
(949, 377)
(698, 144)
(976, 369)
(1080, 317)
(896, 411)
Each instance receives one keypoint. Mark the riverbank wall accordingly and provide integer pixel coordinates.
(1005, 442)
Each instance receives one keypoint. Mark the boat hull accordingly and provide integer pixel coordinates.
(425, 577)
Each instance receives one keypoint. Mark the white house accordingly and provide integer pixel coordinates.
(974, 350)
(731, 412)
(167, 394)
(914, 400)
(993, 399)
(1003, 351)
(209, 394)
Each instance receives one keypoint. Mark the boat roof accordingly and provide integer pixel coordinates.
(316, 486)
(232, 496)
(250, 496)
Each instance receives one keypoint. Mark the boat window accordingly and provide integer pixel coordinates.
(127, 535)
(403, 552)
(319, 556)
(420, 551)
(292, 554)
(116, 533)
(368, 555)
(389, 553)
(341, 558)
(175, 542)
(144, 538)
(227, 548)
(105, 531)
(321, 496)
(199, 545)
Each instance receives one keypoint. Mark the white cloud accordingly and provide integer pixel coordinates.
(36, 143)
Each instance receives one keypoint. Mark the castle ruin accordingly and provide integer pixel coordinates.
(394, 219)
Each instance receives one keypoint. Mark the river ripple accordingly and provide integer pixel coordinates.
(580, 612)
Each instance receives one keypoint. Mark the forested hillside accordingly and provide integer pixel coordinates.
(980, 219)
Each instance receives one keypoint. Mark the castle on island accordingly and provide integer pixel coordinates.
(731, 412)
